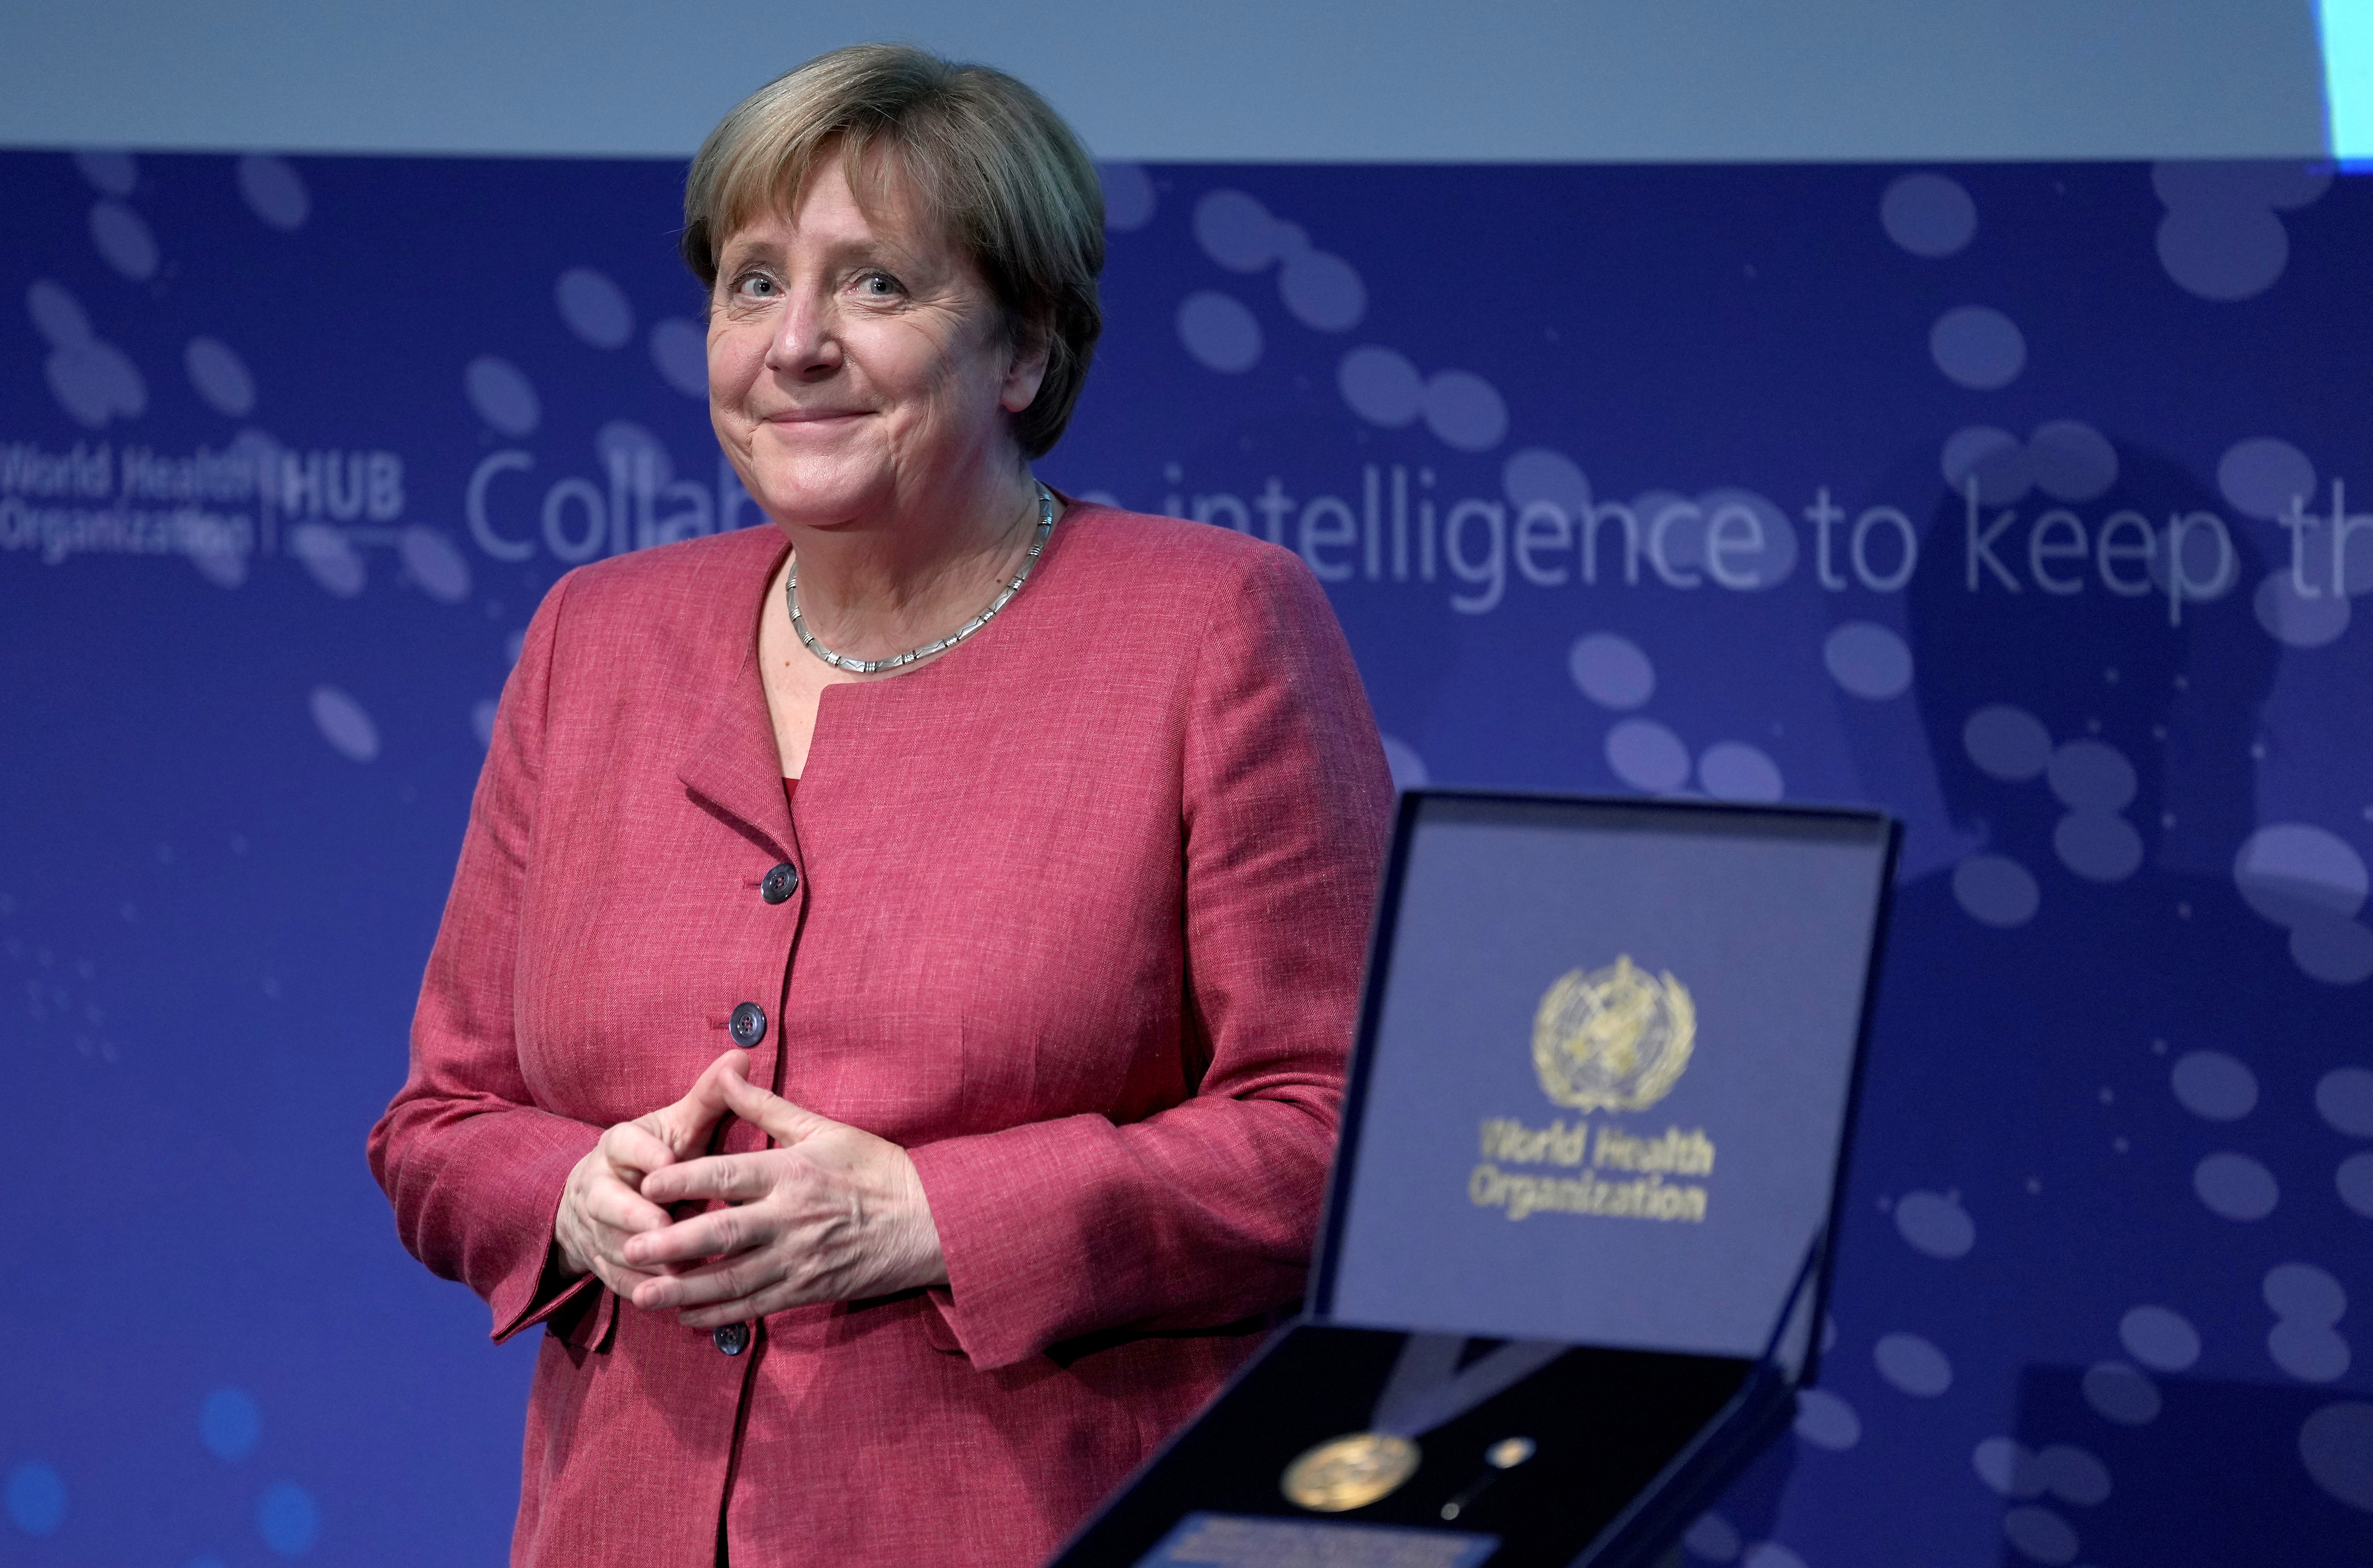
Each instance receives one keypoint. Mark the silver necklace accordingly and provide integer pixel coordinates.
(1004, 596)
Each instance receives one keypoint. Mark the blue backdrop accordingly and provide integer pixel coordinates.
(2013, 498)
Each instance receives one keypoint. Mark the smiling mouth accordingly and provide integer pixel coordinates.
(814, 416)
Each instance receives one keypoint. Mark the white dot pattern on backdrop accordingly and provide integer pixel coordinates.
(1978, 347)
(680, 354)
(2304, 1291)
(219, 377)
(2222, 236)
(502, 395)
(288, 1518)
(57, 314)
(2236, 1187)
(2315, 883)
(1994, 458)
(2222, 239)
(2214, 1087)
(110, 173)
(2280, 186)
(483, 714)
(2306, 1302)
(2289, 872)
(2120, 1393)
(1537, 474)
(1324, 292)
(2099, 846)
(2070, 461)
(230, 1424)
(219, 562)
(2160, 1337)
(2073, 1474)
(1928, 215)
(2009, 743)
(2343, 1097)
(1732, 769)
(123, 240)
(330, 557)
(1464, 411)
(1612, 670)
(2263, 476)
(2224, 254)
(1769, 1554)
(2335, 1444)
(593, 307)
(1867, 660)
(1128, 196)
(36, 1498)
(94, 382)
(622, 447)
(1647, 756)
(2338, 952)
(1408, 768)
(435, 564)
(343, 724)
(1913, 1365)
(2039, 1535)
(2089, 775)
(2294, 621)
(1936, 1224)
(1235, 230)
(1996, 891)
(274, 192)
(1826, 1420)
(1381, 386)
(91, 380)
(1219, 331)
(2312, 881)
(2006, 1466)
(1712, 1537)
(2353, 1180)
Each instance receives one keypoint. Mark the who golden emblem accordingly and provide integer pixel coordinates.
(1616, 1038)
(1350, 1472)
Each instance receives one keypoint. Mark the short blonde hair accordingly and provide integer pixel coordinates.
(982, 155)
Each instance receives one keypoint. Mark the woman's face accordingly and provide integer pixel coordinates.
(858, 366)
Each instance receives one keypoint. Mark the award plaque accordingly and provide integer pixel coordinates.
(1576, 1236)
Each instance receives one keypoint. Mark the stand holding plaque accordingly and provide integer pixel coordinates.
(1575, 1247)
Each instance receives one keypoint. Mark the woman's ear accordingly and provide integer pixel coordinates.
(1025, 371)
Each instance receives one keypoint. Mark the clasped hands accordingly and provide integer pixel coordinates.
(833, 1215)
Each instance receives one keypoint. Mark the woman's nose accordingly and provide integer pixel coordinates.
(805, 343)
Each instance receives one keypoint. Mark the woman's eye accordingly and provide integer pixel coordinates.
(756, 285)
(878, 285)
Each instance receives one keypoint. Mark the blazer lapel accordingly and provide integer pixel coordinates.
(733, 765)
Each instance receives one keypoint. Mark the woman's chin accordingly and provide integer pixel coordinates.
(824, 508)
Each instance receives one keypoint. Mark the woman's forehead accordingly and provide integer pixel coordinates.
(840, 197)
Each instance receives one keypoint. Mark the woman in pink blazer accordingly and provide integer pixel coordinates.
(889, 1021)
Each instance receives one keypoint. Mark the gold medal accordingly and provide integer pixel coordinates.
(1350, 1472)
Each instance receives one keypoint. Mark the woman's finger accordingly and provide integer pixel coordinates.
(729, 1179)
(725, 1279)
(635, 1149)
(717, 1233)
(777, 1297)
(684, 1126)
(609, 1201)
(785, 1122)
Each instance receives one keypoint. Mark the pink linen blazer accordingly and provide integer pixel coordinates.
(1080, 923)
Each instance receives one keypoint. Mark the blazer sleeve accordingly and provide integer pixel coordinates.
(1205, 1213)
(473, 1167)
